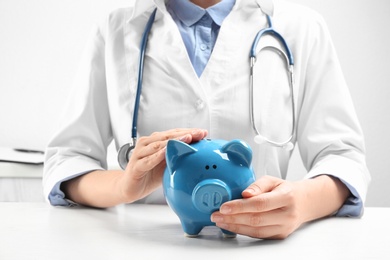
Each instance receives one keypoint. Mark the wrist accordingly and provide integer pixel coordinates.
(323, 195)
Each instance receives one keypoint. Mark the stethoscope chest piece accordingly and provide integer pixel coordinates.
(124, 154)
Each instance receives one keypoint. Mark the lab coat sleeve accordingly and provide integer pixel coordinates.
(80, 145)
(329, 135)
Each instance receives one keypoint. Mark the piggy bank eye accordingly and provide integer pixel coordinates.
(214, 166)
(207, 167)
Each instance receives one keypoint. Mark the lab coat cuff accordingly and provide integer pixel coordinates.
(57, 197)
(351, 174)
(67, 170)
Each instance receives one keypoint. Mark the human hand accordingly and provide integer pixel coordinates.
(270, 209)
(145, 169)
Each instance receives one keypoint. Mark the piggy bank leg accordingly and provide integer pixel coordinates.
(191, 229)
(228, 234)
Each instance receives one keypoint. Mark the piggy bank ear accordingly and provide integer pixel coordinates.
(175, 150)
(238, 151)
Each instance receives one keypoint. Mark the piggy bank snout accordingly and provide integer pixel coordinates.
(208, 195)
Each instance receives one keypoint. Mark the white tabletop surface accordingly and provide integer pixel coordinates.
(20, 182)
(20, 170)
(40, 231)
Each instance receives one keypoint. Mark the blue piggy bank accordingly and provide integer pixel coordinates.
(200, 177)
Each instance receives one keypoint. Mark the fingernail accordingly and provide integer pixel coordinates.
(250, 190)
(195, 132)
(183, 138)
(223, 225)
(216, 219)
(225, 209)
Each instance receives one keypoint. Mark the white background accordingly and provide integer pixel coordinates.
(41, 43)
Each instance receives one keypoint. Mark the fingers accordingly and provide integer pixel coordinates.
(252, 219)
(263, 185)
(277, 224)
(147, 163)
(194, 134)
(267, 232)
(265, 194)
(148, 145)
(270, 210)
(150, 150)
(141, 165)
(258, 204)
(280, 197)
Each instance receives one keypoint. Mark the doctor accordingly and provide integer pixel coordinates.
(196, 84)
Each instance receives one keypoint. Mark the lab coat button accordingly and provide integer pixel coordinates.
(203, 47)
(199, 104)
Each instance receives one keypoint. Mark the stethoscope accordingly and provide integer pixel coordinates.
(126, 150)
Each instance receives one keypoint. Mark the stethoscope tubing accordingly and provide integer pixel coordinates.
(144, 42)
(124, 152)
(270, 30)
(288, 56)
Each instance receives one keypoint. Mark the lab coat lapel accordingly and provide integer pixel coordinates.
(167, 44)
(230, 57)
(141, 6)
(164, 42)
(168, 76)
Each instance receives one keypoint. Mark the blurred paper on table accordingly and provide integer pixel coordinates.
(21, 155)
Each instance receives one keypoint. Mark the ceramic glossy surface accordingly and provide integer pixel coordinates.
(200, 177)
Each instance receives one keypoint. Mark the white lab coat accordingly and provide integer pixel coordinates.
(101, 108)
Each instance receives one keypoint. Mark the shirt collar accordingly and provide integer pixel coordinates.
(219, 11)
(190, 13)
(142, 6)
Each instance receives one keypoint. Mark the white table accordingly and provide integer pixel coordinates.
(21, 182)
(40, 231)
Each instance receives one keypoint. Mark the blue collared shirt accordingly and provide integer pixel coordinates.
(199, 28)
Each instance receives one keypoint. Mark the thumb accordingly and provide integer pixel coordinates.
(262, 185)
